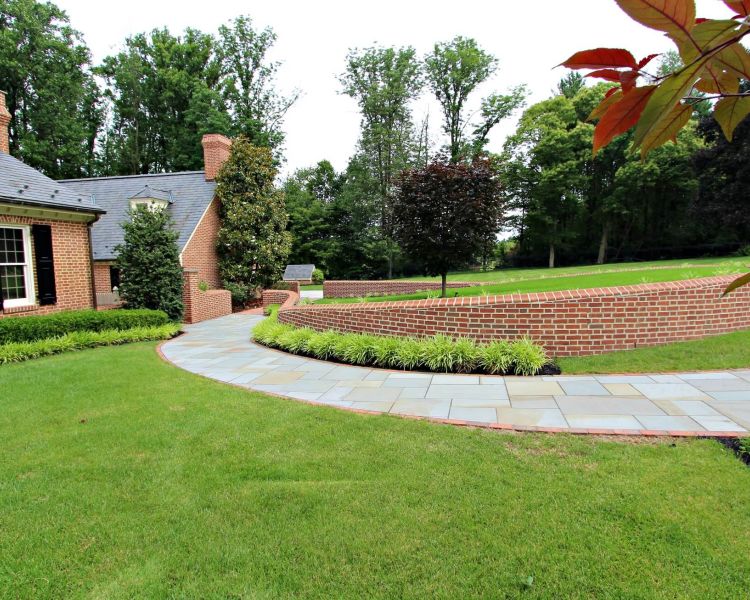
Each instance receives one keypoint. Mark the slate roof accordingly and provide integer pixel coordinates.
(190, 193)
(298, 272)
(21, 184)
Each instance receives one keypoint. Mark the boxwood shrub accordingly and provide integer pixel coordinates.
(33, 328)
(439, 353)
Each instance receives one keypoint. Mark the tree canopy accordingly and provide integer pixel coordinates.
(52, 97)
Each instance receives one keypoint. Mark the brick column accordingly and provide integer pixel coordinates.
(189, 293)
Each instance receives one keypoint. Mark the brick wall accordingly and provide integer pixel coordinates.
(200, 305)
(72, 257)
(568, 323)
(200, 251)
(357, 289)
(286, 298)
(102, 281)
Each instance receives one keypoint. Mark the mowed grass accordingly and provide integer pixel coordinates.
(122, 476)
(502, 275)
(730, 351)
(545, 282)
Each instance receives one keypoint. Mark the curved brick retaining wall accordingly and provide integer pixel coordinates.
(568, 323)
(384, 287)
(286, 298)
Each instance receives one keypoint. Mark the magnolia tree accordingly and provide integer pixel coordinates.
(253, 242)
(445, 212)
(715, 65)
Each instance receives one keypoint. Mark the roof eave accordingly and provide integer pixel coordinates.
(82, 209)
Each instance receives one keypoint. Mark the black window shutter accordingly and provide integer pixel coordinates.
(45, 264)
(1, 293)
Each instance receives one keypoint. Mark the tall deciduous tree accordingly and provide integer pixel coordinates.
(455, 70)
(164, 95)
(253, 243)
(384, 81)
(571, 205)
(52, 97)
(149, 260)
(248, 84)
(445, 212)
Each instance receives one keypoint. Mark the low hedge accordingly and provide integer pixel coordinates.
(33, 328)
(437, 354)
(78, 340)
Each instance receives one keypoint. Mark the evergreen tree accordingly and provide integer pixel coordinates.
(384, 81)
(253, 242)
(149, 261)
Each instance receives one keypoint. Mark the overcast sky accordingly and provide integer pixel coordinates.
(529, 38)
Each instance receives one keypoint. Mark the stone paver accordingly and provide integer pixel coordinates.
(704, 403)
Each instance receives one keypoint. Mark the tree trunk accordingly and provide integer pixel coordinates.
(443, 284)
(390, 264)
(551, 256)
(603, 245)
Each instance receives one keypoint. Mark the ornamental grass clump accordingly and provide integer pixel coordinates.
(269, 331)
(410, 354)
(465, 355)
(385, 352)
(295, 340)
(528, 357)
(322, 345)
(437, 353)
(496, 358)
(356, 349)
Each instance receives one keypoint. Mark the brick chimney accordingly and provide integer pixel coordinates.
(4, 123)
(215, 153)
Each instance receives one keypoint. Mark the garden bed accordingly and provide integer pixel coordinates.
(436, 354)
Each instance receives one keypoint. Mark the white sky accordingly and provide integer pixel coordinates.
(529, 38)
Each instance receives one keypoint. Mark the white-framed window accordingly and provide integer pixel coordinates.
(16, 274)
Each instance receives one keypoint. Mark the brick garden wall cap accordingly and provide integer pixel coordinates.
(534, 297)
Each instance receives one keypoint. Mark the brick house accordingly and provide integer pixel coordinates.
(45, 238)
(189, 198)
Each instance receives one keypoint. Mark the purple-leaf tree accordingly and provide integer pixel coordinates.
(444, 212)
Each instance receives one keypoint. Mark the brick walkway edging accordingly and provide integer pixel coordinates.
(167, 353)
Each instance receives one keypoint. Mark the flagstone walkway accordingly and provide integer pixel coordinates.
(715, 403)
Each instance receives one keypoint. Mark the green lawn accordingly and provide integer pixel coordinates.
(122, 476)
(730, 351)
(542, 272)
(545, 282)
